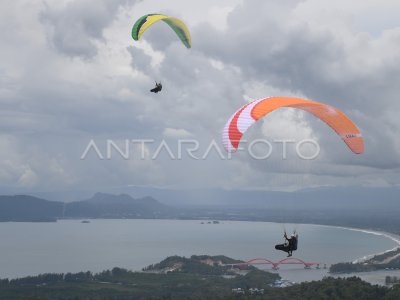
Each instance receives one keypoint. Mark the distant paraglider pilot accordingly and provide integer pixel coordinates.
(157, 88)
(290, 244)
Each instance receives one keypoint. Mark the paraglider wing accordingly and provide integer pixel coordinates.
(250, 113)
(177, 25)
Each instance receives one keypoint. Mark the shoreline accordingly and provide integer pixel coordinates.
(394, 237)
(388, 235)
(352, 258)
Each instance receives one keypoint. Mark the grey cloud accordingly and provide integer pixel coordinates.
(354, 72)
(75, 28)
(194, 92)
(56, 104)
(141, 61)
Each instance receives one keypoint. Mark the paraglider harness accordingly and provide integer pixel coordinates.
(292, 241)
(157, 88)
(290, 244)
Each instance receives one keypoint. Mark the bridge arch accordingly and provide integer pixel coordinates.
(260, 261)
(295, 261)
(275, 265)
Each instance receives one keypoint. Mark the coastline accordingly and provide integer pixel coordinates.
(394, 237)
(391, 236)
(79, 262)
(373, 277)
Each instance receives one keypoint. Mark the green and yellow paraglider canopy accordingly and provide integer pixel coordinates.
(177, 25)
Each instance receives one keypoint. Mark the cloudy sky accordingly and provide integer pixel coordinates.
(70, 74)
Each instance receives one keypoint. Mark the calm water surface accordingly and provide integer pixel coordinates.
(72, 246)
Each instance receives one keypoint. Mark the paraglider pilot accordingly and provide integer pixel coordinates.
(290, 244)
(157, 88)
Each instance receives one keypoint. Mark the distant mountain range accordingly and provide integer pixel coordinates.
(29, 208)
(350, 198)
(116, 206)
(377, 208)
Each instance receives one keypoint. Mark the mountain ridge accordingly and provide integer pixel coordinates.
(100, 205)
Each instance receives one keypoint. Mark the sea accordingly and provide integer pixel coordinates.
(73, 246)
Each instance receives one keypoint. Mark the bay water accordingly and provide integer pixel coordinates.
(73, 246)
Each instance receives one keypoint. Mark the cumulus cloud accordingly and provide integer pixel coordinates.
(75, 26)
(71, 74)
(327, 62)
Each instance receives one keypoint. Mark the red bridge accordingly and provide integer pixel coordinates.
(275, 265)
